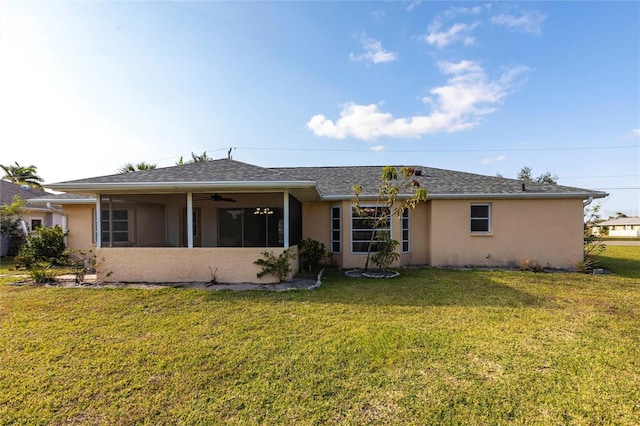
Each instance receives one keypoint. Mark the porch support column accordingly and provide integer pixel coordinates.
(190, 219)
(98, 221)
(286, 219)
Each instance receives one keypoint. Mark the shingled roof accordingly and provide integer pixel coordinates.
(338, 182)
(9, 190)
(329, 182)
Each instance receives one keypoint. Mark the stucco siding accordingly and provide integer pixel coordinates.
(80, 226)
(547, 231)
(165, 264)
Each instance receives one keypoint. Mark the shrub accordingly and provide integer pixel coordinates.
(386, 253)
(81, 262)
(40, 272)
(279, 266)
(311, 254)
(531, 265)
(45, 244)
(585, 266)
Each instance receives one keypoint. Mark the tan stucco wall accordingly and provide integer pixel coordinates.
(80, 226)
(548, 231)
(317, 225)
(418, 236)
(166, 264)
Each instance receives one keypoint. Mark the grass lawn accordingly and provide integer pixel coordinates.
(431, 347)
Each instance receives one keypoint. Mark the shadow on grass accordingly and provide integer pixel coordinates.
(623, 266)
(427, 287)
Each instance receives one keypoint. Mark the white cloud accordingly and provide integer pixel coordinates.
(377, 148)
(635, 133)
(373, 51)
(458, 105)
(527, 22)
(413, 4)
(493, 160)
(456, 10)
(457, 33)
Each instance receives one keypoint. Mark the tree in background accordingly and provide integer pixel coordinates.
(593, 244)
(195, 158)
(22, 175)
(386, 207)
(526, 174)
(130, 167)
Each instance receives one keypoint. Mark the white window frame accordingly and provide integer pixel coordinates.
(487, 219)
(334, 230)
(389, 227)
(405, 219)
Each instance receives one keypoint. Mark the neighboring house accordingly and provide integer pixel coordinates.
(191, 222)
(31, 217)
(620, 227)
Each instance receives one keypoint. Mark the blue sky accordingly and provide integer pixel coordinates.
(485, 87)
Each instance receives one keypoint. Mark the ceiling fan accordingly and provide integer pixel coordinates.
(218, 197)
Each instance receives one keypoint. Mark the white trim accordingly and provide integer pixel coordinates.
(285, 218)
(98, 224)
(408, 240)
(351, 217)
(275, 185)
(488, 218)
(527, 195)
(332, 229)
(88, 200)
(189, 220)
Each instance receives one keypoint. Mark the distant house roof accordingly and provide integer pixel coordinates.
(9, 190)
(313, 182)
(620, 221)
(64, 198)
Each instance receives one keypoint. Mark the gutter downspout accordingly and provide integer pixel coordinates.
(587, 202)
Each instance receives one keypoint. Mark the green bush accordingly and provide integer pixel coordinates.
(40, 272)
(386, 253)
(45, 244)
(311, 254)
(279, 266)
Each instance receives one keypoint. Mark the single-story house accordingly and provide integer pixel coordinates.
(189, 222)
(31, 216)
(620, 227)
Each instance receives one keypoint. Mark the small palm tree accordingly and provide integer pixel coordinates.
(200, 158)
(195, 158)
(22, 175)
(130, 167)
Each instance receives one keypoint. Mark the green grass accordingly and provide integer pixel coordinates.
(431, 347)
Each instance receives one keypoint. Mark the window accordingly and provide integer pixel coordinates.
(336, 240)
(35, 224)
(120, 223)
(251, 227)
(480, 217)
(362, 232)
(405, 231)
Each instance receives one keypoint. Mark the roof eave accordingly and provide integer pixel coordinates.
(137, 186)
(484, 196)
(88, 200)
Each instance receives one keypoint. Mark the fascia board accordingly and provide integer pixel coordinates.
(88, 200)
(530, 195)
(133, 186)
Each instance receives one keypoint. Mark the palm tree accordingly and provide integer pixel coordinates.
(195, 158)
(200, 158)
(22, 175)
(130, 167)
